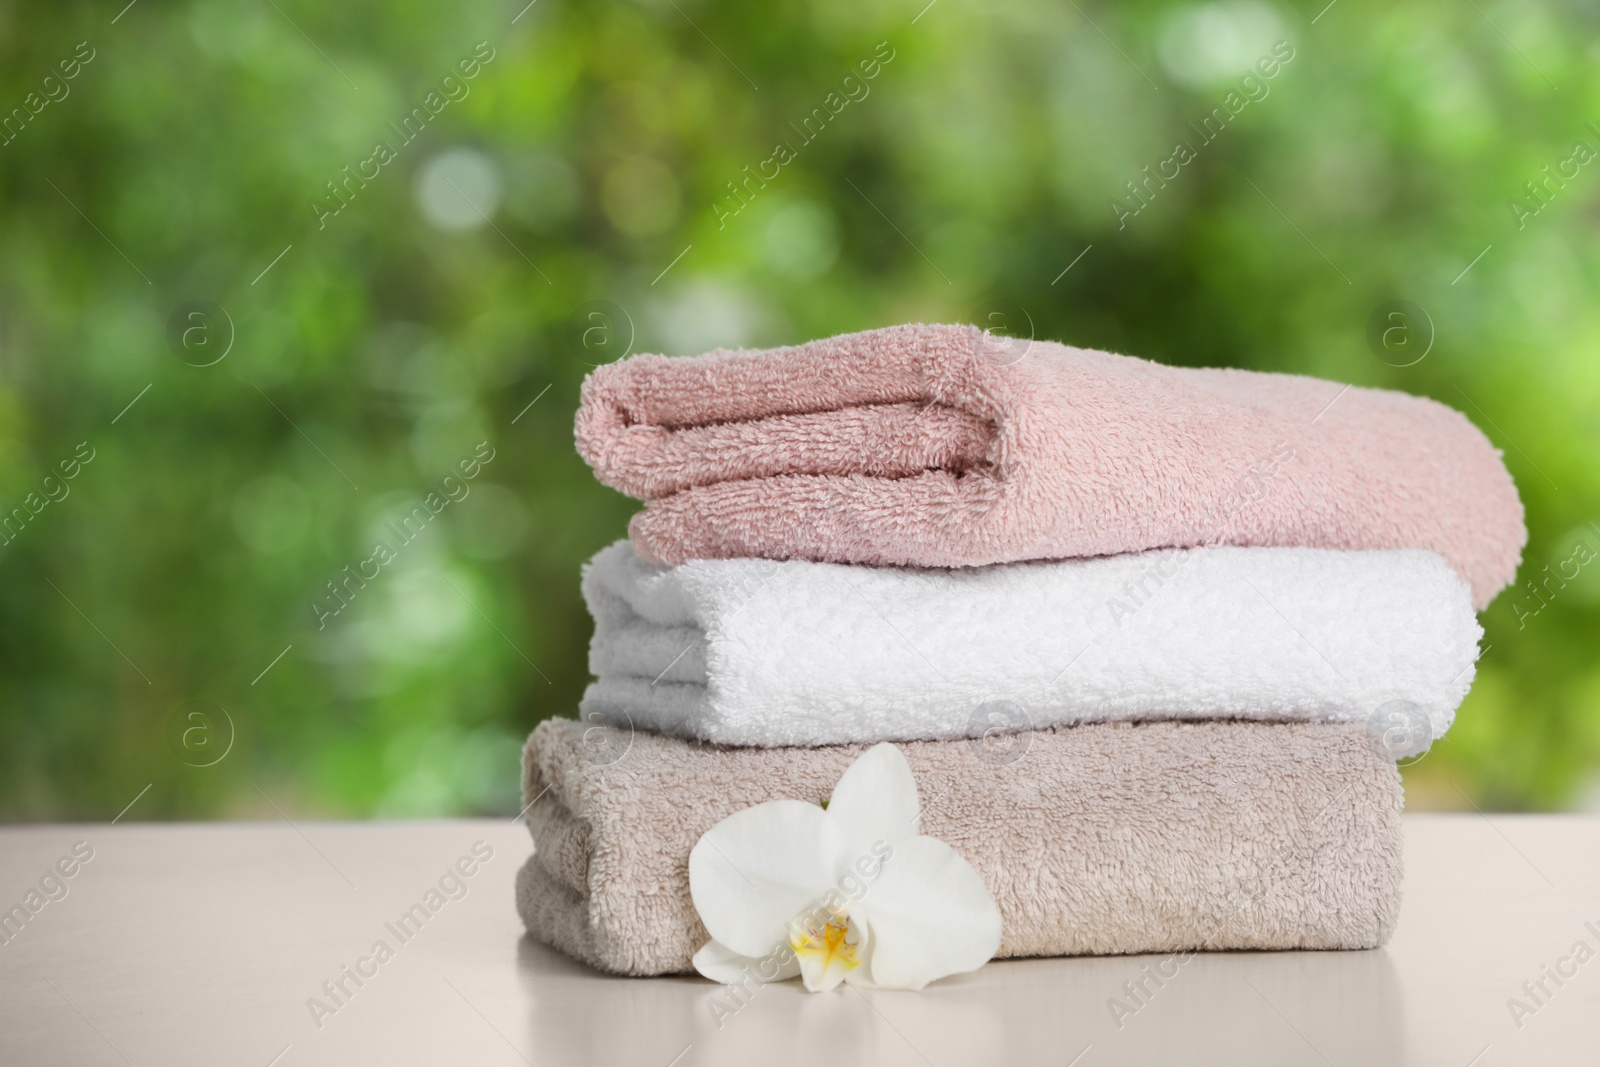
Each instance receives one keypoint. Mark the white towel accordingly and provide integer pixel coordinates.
(761, 652)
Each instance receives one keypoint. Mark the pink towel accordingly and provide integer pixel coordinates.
(943, 446)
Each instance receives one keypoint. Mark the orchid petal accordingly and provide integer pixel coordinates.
(719, 963)
(928, 914)
(875, 801)
(754, 871)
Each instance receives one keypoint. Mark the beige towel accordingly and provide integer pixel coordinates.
(1096, 839)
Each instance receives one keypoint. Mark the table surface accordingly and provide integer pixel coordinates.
(205, 944)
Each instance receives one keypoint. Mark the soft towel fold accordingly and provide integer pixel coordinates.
(944, 446)
(758, 652)
(1099, 839)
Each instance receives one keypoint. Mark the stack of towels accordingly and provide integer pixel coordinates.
(1143, 633)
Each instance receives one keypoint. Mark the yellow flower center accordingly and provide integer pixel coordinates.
(826, 947)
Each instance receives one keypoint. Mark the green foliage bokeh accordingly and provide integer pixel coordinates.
(569, 201)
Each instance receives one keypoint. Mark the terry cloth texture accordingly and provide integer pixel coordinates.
(1099, 839)
(758, 652)
(944, 446)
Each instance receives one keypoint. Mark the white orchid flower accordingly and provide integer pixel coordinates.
(847, 892)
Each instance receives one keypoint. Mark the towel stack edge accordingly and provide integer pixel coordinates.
(1146, 635)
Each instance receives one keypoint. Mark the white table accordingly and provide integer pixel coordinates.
(201, 944)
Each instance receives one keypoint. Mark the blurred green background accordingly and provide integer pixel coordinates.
(569, 202)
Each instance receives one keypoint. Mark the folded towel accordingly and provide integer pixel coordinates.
(757, 652)
(945, 446)
(1109, 838)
